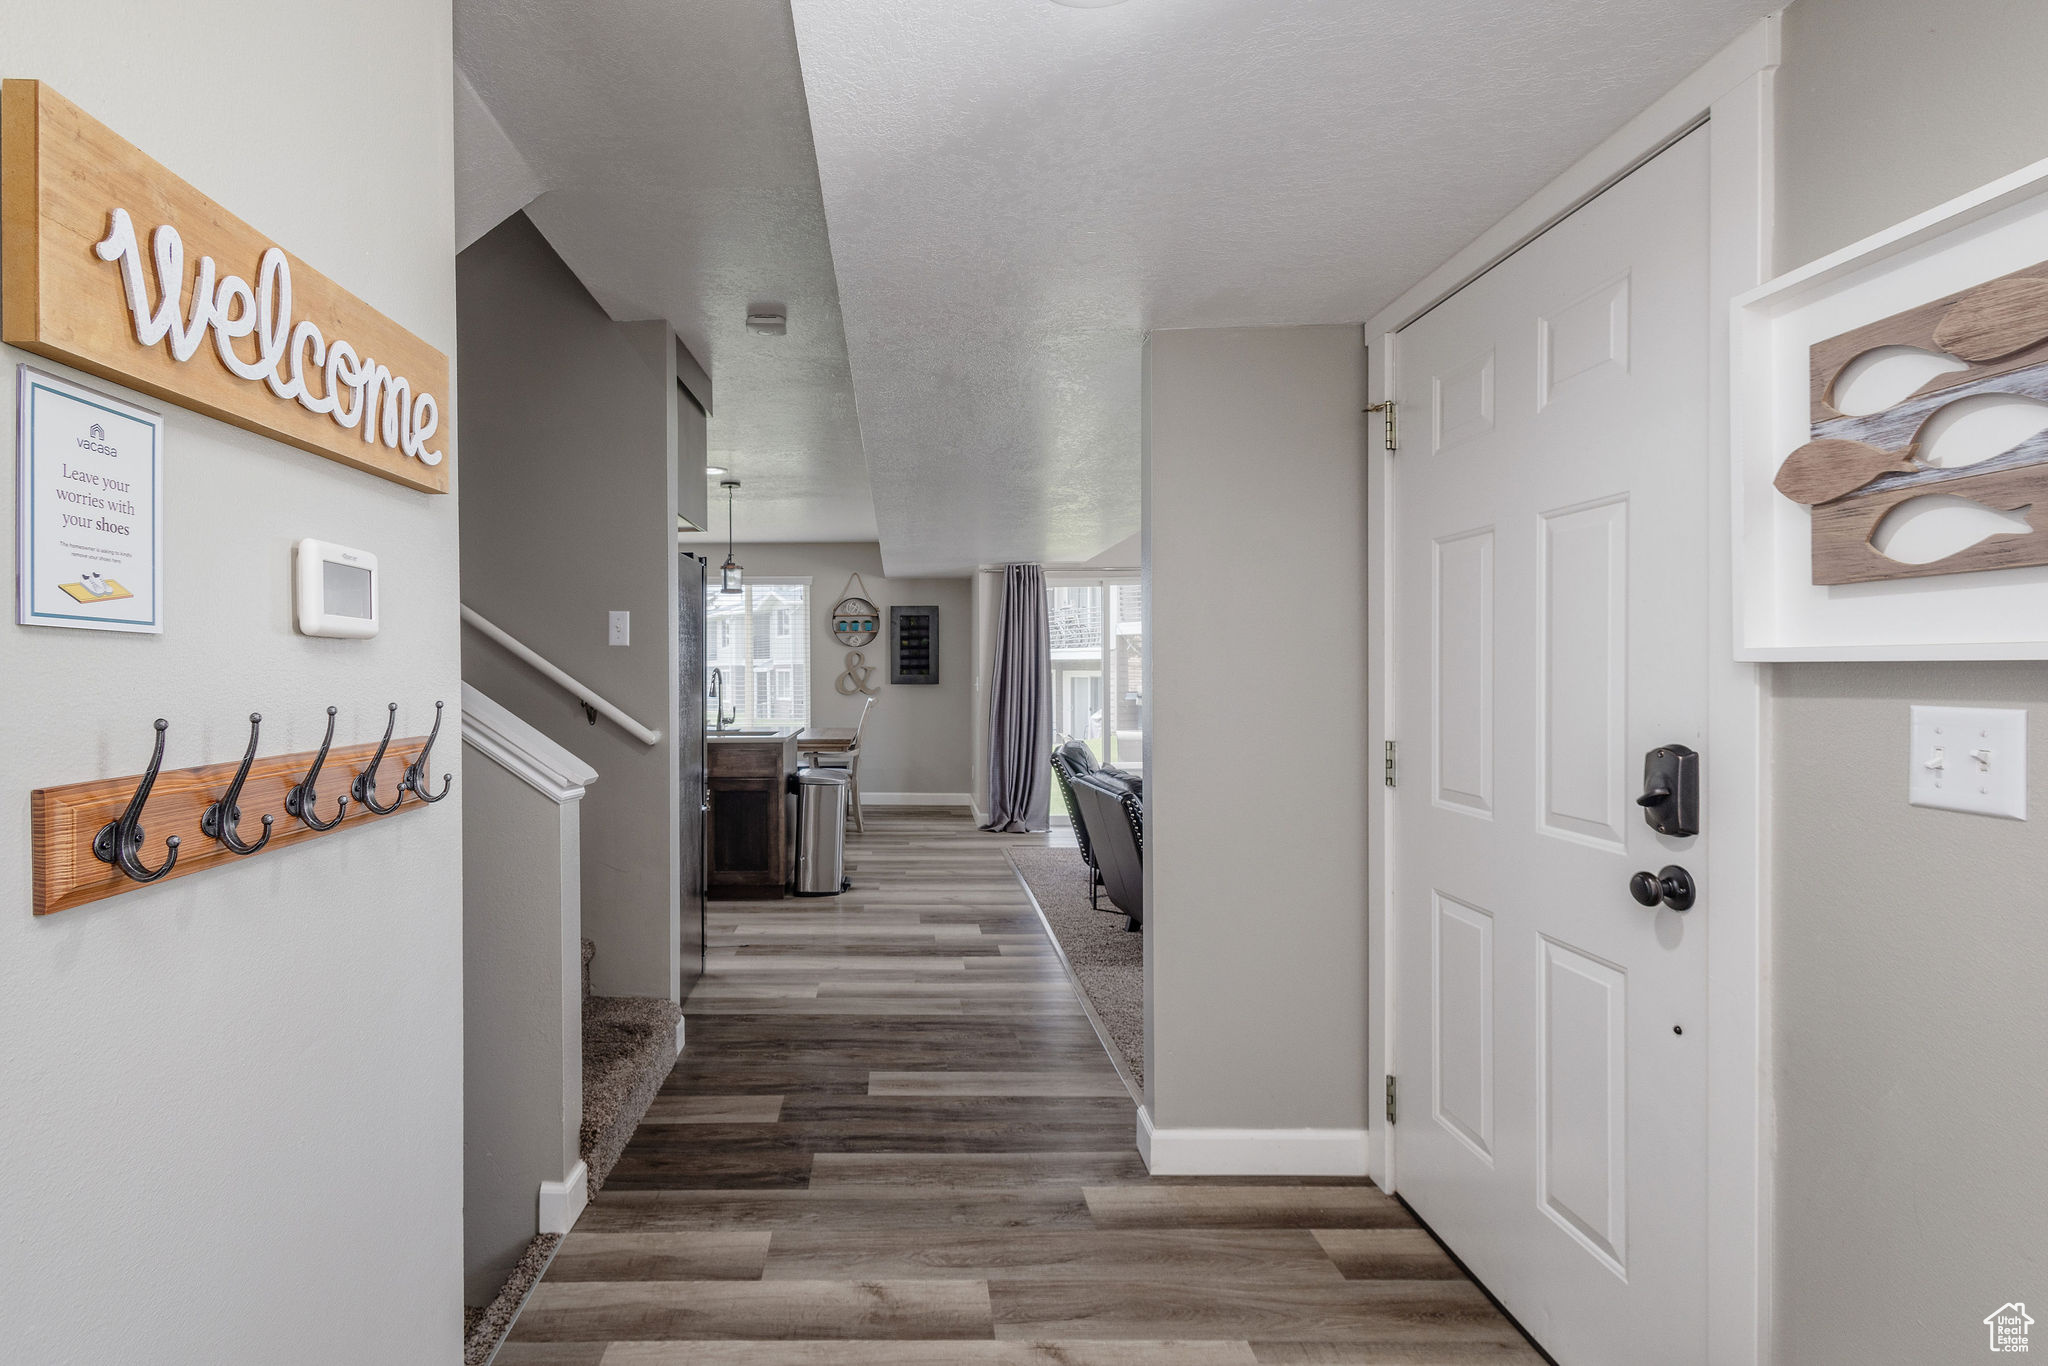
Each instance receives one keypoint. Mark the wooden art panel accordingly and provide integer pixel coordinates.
(64, 820)
(1860, 473)
(73, 192)
(1918, 327)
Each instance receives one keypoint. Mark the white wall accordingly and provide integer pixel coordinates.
(232, 1125)
(1255, 825)
(919, 736)
(1908, 952)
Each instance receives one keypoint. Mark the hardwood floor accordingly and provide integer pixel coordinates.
(895, 1140)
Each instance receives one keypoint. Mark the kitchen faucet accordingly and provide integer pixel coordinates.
(718, 699)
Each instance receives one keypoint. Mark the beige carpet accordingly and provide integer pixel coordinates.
(1108, 959)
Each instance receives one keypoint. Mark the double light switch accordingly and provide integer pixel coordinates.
(1970, 759)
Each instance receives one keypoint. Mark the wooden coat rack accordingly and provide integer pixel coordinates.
(66, 820)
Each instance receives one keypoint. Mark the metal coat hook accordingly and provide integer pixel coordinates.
(365, 786)
(417, 779)
(119, 841)
(300, 801)
(220, 819)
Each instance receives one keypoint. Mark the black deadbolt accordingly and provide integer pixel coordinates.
(1671, 790)
(1671, 885)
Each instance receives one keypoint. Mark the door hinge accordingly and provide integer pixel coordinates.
(1390, 1097)
(1390, 763)
(1386, 409)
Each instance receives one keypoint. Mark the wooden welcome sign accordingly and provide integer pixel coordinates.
(110, 263)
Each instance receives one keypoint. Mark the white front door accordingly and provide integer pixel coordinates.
(1551, 628)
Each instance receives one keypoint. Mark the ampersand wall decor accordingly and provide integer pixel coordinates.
(856, 680)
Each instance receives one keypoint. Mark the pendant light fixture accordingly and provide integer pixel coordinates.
(730, 571)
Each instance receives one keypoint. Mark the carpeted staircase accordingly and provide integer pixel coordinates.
(629, 1046)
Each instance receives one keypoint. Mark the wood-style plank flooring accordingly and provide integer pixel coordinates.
(895, 1140)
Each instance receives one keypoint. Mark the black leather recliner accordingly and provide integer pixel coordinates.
(1115, 819)
(1070, 761)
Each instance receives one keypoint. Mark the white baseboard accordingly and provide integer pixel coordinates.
(679, 1035)
(1250, 1152)
(974, 810)
(562, 1202)
(917, 799)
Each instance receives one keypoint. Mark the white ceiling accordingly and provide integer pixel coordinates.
(674, 149)
(1018, 190)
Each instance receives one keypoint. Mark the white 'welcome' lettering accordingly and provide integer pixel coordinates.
(382, 403)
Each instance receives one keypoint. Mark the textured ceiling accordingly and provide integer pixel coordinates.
(675, 150)
(1019, 190)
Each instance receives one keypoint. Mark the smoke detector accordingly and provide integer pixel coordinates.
(768, 322)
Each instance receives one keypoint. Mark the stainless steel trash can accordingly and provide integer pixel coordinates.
(820, 831)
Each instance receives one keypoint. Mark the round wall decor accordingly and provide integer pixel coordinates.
(855, 620)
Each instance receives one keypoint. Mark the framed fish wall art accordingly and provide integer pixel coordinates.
(1890, 436)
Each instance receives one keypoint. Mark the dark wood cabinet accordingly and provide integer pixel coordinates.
(747, 830)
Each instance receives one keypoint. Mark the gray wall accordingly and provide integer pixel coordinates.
(1909, 945)
(1255, 927)
(570, 509)
(919, 736)
(231, 1104)
(522, 1076)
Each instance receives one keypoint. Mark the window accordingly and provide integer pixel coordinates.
(761, 651)
(1098, 666)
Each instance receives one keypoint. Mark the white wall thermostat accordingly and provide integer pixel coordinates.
(335, 591)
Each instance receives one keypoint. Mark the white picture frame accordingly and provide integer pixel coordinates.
(89, 531)
(1779, 613)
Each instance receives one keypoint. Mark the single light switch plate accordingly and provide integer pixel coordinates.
(1970, 759)
(622, 628)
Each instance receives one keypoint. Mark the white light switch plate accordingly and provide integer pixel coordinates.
(622, 628)
(1970, 759)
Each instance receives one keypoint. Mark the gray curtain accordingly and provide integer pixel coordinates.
(1020, 705)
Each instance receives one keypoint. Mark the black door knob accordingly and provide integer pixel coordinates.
(1670, 886)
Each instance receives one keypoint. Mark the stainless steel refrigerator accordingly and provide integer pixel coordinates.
(691, 804)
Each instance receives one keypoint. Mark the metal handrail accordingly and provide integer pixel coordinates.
(589, 699)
